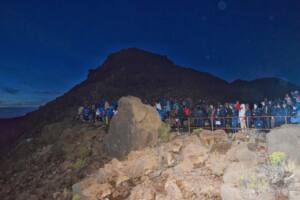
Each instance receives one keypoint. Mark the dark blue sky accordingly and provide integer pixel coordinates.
(48, 46)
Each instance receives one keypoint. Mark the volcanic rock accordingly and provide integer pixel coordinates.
(134, 127)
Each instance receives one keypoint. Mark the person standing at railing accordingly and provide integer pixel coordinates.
(288, 100)
(168, 108)
(180, 114)
(212, 116)
(297, 100)
(276, 115)
(187, 114)
(218, 120)
(266, 113)
(286, 113)
(222, 116)
(198, 115)
(228, 114)
(234, 118)
(248, 116)
(86, 113)
(273, 118)
(106, 105)
(295, 119)
(257, 113)
(242, 118)
(281, 115)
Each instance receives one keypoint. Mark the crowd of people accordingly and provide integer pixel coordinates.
(101, 113)
(231, 116)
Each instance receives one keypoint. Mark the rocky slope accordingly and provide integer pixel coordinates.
(10, 131)
(45, 167)
(67, 160)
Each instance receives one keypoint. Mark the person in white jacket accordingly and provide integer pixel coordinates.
(242, 117)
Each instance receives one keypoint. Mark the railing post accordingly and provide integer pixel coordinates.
(178, 126)
(212, 124)
(189, 125)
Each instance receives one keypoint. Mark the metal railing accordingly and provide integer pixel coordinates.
(259, 123)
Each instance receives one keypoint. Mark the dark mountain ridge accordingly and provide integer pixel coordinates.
(147, 75)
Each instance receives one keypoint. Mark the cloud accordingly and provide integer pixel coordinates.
(21, 104)
(10, 90)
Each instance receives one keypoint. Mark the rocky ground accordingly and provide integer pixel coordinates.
(45, 167)
(67, 162)
(193, 167)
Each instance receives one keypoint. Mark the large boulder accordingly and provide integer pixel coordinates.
(134, 127)
(285, 139)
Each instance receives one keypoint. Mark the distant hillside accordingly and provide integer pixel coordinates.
(257, 90)
(147, 75)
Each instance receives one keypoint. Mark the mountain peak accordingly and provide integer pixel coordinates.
(133, 57)
(131, 60)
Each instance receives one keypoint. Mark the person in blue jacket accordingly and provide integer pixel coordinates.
(86, 113)
(286, 113)
(234, 118)
(295, 119)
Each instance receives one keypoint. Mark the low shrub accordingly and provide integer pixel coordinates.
(76, 197)
(84, 152)
(79, 164)
(197, 131)
(276, 158)
(164, 132)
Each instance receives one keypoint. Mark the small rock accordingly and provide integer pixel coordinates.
(56, 195)
(176, 146)
(173, 191)
(229, 192)
(142, 192)
(294, 195)
(239, 136)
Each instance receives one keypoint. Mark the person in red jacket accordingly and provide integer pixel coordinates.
(238, 105)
